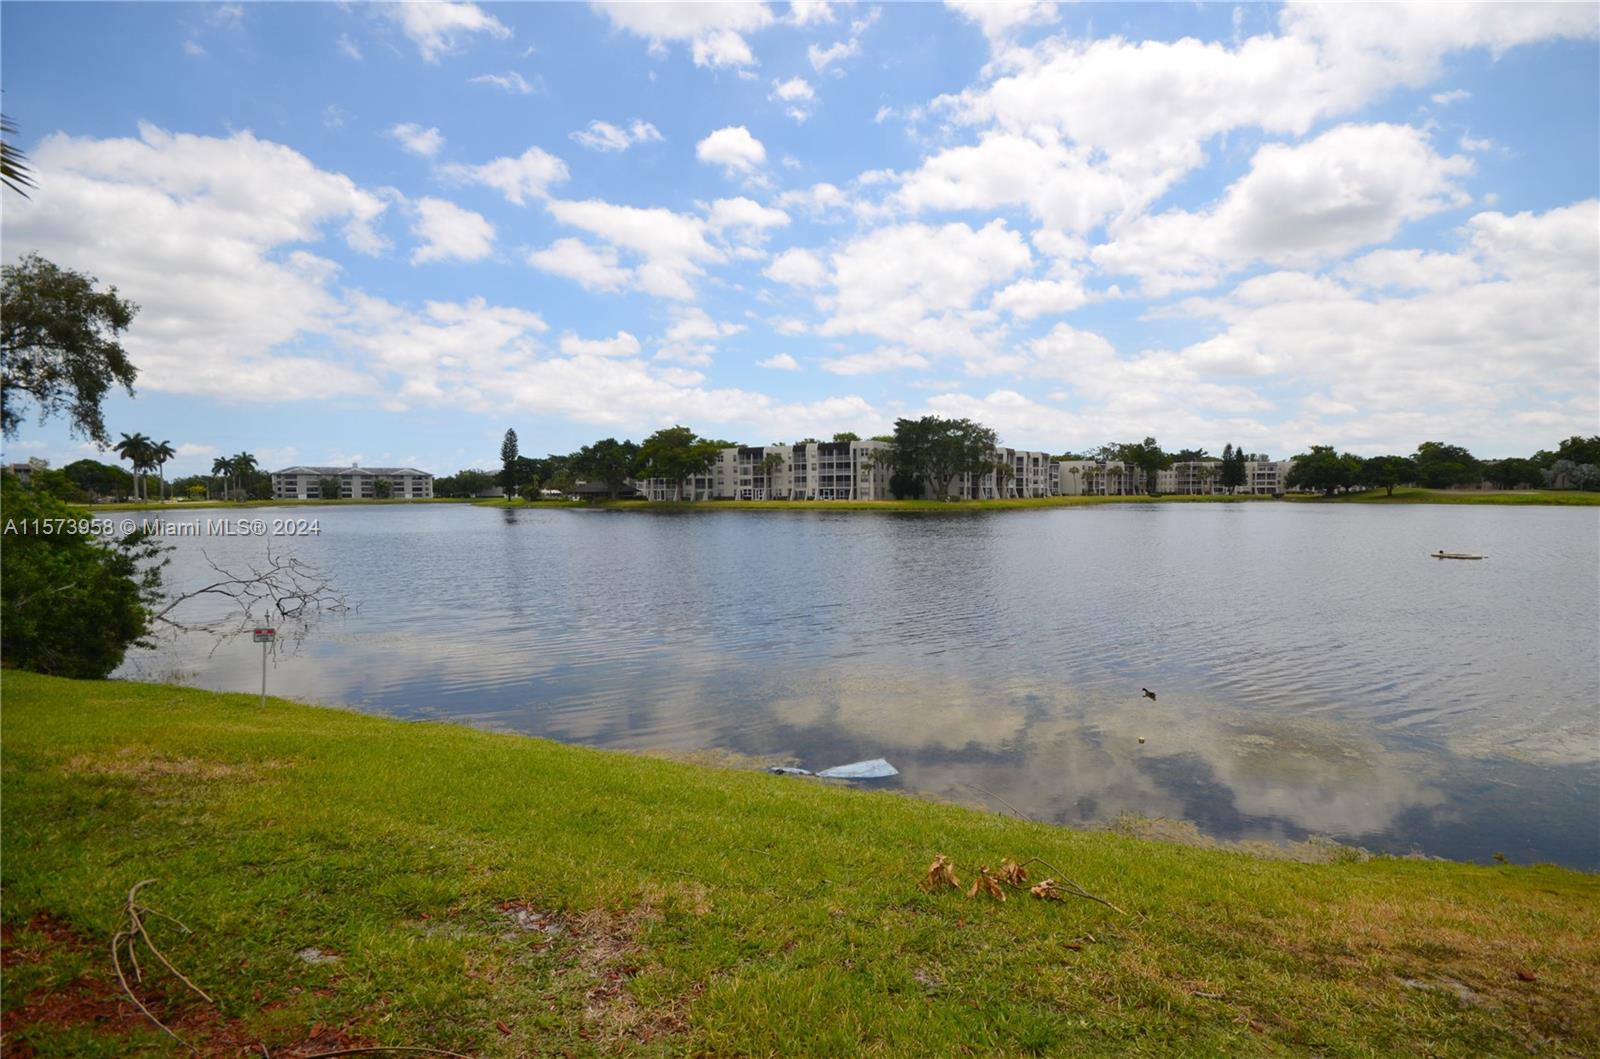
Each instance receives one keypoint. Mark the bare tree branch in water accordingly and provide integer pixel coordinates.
(276, 589)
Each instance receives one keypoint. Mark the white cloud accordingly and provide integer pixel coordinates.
(798, 94)
(510, 82)
(438, 29)
(1030, 298)
(779, 362)
(1455, 95)
(693, 337)
(450, 233)
(799, 267)
(417, 140)
(194, 48)
(622, 345)
(817, 199)
(672, 246)
(809, 12)
(733, 148)
(747, 220)
(838, 51)
(591, 268)
(527, 176)
(1353, 186)
(604, 136)
(714, 31)
(199, 232)
(348, 47)
(915, 285)
(876, 361)
(1001, 19)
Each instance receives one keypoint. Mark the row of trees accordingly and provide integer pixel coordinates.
(1574, 464)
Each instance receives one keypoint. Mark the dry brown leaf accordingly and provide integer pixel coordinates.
(1013, 873)
(1047, 890)
(986, 882)
(941, 873)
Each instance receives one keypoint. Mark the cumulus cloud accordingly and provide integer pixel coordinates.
(1353, 186)
(693, 337)
(876, 361)
(519, 179)
(198, 231)
(591, 267)
(1001, 19)
(622, 344)
(797, 95)
(714, 32)
(672, 248)
(419, 141)
(604, 136)
(450, 233)
(798, 267)
(440, 29)
(779, 362)
(732, 148)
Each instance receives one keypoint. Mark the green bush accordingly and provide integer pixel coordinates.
(69, 605)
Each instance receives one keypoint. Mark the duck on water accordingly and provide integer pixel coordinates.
(1441, 554)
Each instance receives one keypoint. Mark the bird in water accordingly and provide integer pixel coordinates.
(1149, 694)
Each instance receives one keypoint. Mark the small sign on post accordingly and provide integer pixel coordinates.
(264, 637)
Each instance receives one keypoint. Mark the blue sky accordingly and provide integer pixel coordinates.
(387, 233)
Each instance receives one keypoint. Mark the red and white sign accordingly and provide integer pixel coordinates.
(265, 635)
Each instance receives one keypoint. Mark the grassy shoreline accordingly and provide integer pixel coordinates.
(185, 505)
(501, 895)
(1401, 496)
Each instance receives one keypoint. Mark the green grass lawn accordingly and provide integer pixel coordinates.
(1560, 497)
(507, 896)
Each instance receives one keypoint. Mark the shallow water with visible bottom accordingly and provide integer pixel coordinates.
(1316, 672)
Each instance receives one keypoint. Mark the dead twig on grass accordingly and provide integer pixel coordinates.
(128, 937)
(1068, 886)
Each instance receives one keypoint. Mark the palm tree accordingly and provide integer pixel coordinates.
(222, 467)
(1074, 472)
(244, 465)
(160, 453)
(770, 463)
(1115, 471)
(13, 163)
(138, 450)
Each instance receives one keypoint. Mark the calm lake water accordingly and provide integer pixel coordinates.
(1317, 673)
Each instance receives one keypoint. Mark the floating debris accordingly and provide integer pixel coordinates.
(875, 769)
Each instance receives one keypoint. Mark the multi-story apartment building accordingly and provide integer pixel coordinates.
(355, 483)
(1098, 478)
(1204, 477)
(813, 470)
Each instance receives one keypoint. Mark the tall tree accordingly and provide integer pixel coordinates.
(936, 450)
(244, 465)
(508, 463)
(99, 479)
(58, 346)
(1148, 457)
(1386, 472)
(676, 454)
(770, 464)
(609, 461)
(1440, 466)
(160, 453)
(222, 467)
(847, 435)
(1324, 469)
(138, 450)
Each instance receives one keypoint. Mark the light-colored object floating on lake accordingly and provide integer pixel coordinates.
(1456, 555)
(876, 769)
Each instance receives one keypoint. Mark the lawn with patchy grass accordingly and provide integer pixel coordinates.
(354, 880)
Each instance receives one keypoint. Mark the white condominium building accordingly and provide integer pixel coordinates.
(355, 483)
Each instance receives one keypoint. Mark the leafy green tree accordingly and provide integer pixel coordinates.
(934, 450)
(1441, 466)
(329, 488)
(675, 454)
(196, 490)
(1513, 472)
(1148, 457)
(846, 435)
(508, 463)
(382, 489)
(99, 479)
(608, 461)
(1323, 469)
(1233, 468)
(1579, 450)
(69, 606)
(57, 484)
(1386, 472)
(58, 346)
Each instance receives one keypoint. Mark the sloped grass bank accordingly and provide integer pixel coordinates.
(351, 879)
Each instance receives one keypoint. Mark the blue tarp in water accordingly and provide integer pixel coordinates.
(876, 769)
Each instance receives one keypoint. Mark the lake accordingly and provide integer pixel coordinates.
(1316, 673)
